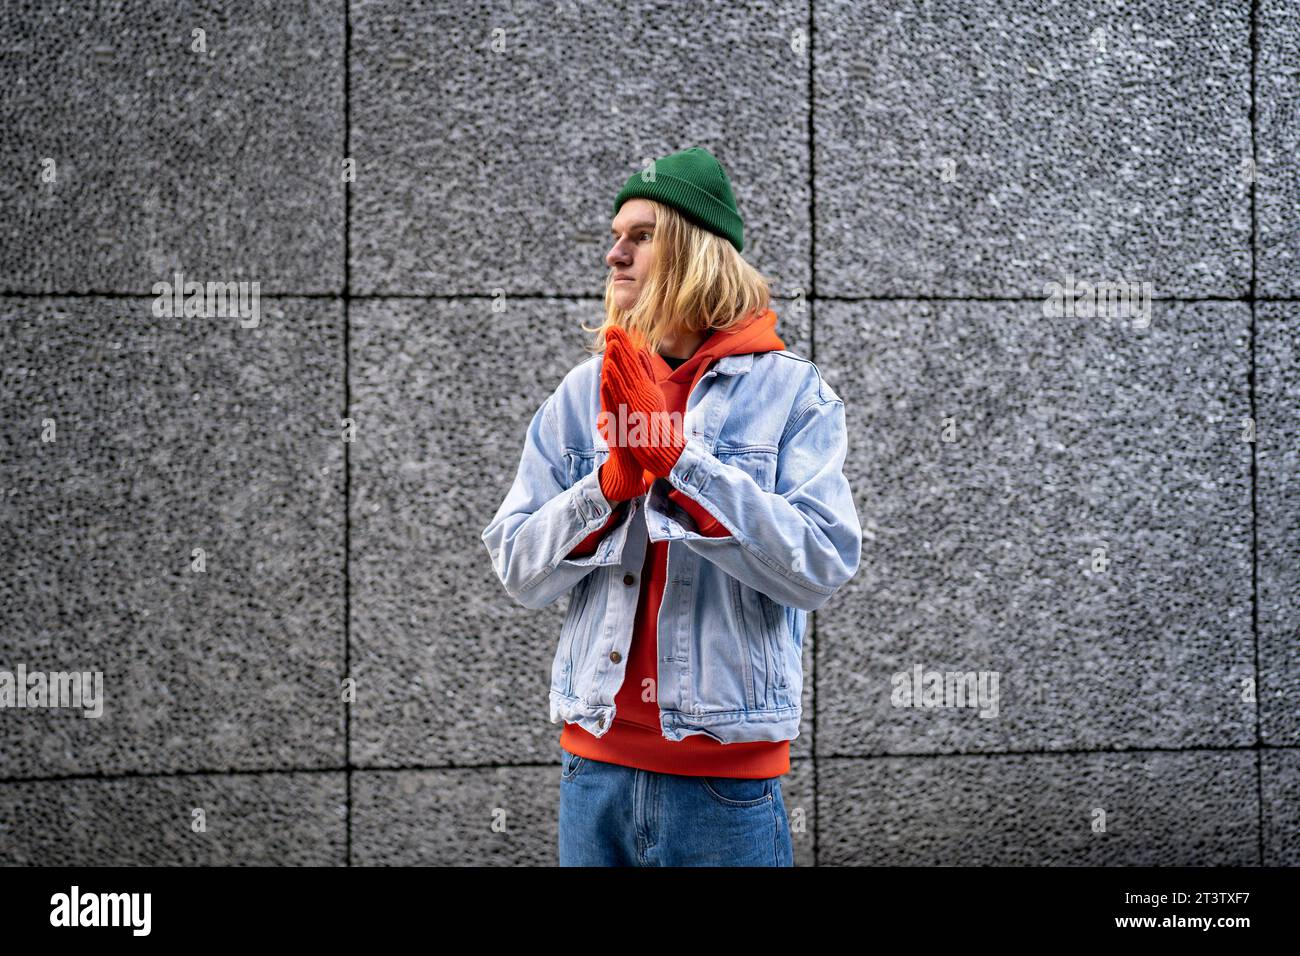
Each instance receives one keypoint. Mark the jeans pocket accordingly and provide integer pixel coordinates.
(571, 765)
(738, 791)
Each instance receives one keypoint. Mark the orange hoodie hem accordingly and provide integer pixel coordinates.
(635, 745)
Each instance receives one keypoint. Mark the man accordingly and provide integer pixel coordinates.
(686, 489)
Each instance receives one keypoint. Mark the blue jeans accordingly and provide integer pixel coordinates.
(611, 815)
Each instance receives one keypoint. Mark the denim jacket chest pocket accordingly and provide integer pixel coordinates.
(580, 462)
(758, 463)
(757, 460)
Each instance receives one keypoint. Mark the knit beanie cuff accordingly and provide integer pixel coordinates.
(696, 204)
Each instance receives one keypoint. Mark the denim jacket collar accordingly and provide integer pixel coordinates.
(734, 364)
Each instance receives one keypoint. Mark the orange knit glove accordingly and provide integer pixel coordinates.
(633, 385)
(621, 475)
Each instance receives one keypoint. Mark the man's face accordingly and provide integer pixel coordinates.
(629, 258)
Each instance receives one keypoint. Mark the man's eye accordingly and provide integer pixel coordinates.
(645, 233)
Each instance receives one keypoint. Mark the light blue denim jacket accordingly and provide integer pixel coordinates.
(765, 449)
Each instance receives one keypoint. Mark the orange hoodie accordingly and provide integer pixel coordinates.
(635, 738)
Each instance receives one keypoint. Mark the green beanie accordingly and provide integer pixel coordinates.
(694, 184)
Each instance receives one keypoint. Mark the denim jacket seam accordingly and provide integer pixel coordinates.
(600, 557)
(807, 407)
(754, 715)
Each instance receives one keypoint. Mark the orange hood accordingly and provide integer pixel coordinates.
(756, 334)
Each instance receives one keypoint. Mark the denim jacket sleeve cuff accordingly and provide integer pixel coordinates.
(590, 502)
(593, 510)
(691, 475)
(694, 469)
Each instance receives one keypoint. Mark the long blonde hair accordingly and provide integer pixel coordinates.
(697, 280)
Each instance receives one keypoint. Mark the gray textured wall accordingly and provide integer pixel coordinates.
(911, 176)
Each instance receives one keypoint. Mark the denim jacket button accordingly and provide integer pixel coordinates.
(628, 578)
(615, 656)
